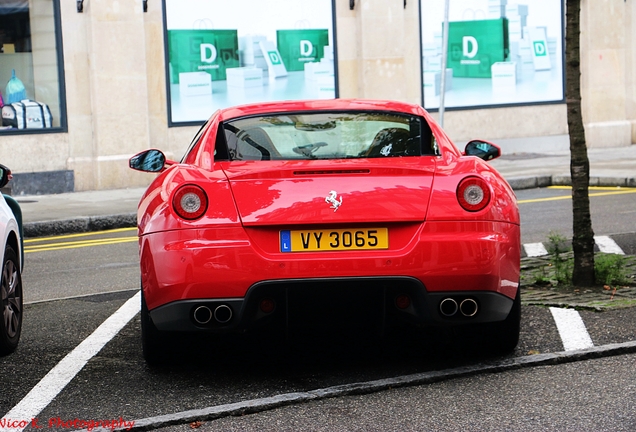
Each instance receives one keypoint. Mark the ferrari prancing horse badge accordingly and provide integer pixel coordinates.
(332, 199)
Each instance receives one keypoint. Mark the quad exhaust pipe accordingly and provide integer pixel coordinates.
(222, 314)
(449, 307)
(468, 307)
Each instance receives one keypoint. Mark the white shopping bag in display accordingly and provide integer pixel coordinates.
(275, 64)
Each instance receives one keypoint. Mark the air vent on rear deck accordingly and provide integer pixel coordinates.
(330, 172)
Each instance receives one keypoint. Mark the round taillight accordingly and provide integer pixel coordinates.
(473, 194)
(190, 202)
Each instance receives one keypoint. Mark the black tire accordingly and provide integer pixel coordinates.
(153, 343)
(11, 302)
(504, 336)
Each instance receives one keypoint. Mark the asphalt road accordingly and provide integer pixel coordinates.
(548, 210)
(583, 396)
(116, 383)
(80, 264)
(64, 278)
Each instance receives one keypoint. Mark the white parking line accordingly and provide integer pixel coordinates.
(607, 245)
(58, 377)
(535, 249)
(571, 328)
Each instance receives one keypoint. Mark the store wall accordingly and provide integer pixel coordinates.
(107, 91)
(607, 63)
(116, 86)
(629, 53)
(631, 69)
(378, 50)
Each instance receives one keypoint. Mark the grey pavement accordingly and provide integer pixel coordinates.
(380, 400)
(608, 167)
(76, 212)
(107, 209)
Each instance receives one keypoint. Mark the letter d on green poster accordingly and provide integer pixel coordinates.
(298, 47)
(211, 51)
(473, 46)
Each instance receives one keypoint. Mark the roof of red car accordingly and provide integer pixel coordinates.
(320, 105)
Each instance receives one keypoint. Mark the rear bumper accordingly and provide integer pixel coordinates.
(363, 302)
(226, 263)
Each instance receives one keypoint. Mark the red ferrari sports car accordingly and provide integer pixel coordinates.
(305, 212)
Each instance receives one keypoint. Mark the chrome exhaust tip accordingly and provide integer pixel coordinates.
(468, 307)
(223, 314)
(448, 307)
(202, 315)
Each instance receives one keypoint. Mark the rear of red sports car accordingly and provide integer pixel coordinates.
(305, 212)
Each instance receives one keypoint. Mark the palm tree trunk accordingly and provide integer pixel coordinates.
(583, 235)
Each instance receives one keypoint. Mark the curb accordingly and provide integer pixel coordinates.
(519, 183)
(79, 225)
(597, 181)
(272, 402)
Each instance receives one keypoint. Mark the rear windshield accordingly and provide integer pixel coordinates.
(326, 136)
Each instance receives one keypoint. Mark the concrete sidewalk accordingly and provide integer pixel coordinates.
(45, 215)
(608, 167)
(97, 210)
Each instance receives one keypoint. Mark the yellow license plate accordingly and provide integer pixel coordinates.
(334, 239)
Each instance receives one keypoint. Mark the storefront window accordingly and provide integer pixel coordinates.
(500, 52)
(31, 79)
(225, 53)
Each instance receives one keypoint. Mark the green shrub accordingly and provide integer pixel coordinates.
(558, 249)
(609, 269)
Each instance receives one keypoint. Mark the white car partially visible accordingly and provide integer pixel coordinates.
(11, 306)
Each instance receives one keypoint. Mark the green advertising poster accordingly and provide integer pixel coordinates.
(298, 47)
(473, 46)
(228, 53)
(500, 52)
(211, 51)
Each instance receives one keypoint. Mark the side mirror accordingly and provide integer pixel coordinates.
(5, 175)
(482, 149)
(152, 160)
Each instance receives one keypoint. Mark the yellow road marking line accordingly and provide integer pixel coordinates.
(84, 242)
(72, 245)
(543, 199)
(617, 192)
(616, 188)
(87, 234)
